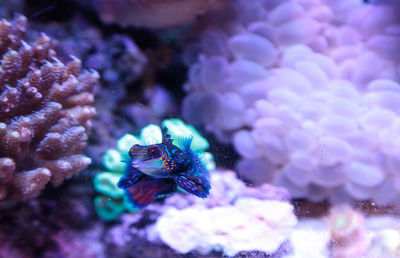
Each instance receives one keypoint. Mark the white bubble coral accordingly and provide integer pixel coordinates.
(248, 225)
(307, 91)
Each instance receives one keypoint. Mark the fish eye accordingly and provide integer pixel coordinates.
(133, 149)
(154, 152)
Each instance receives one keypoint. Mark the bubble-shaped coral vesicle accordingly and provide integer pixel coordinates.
(307, 91)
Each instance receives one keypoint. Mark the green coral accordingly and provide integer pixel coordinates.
(112, 201)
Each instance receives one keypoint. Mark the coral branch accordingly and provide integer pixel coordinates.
(7, 167)
(28, 184)
(66, 167)
(45, 113)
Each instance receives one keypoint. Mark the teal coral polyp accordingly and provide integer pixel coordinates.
(112, 201)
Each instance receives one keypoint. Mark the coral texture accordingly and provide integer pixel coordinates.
(112, 201)
(120, 63)
(226, 189)
(234, 218)
(151, 228)
(354, 235)
(348, 232)
(386, 243)
(45, 113)
(154, 13)
(307, 91)
(249, 224)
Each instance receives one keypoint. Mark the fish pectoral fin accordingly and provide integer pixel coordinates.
(131, 177)
(125, 183)
(148, 189)
(197, 185)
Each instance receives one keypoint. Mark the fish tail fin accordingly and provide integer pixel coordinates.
(148, 189)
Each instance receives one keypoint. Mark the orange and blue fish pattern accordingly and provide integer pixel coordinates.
(159, 169)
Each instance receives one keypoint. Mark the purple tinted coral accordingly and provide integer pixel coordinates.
(45, 113)
(292, 86)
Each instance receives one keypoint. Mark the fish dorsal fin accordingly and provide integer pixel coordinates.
(166, 138)
(184, 141)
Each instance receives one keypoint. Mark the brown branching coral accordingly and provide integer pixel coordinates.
(45, 113)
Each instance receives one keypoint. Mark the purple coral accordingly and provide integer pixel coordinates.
(307, 91)
(45, 113)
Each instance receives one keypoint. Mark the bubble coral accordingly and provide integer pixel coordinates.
(154, 13)
(45, 113)
(112, 201)
(307, 91)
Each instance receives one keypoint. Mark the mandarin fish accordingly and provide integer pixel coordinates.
(157, 170)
